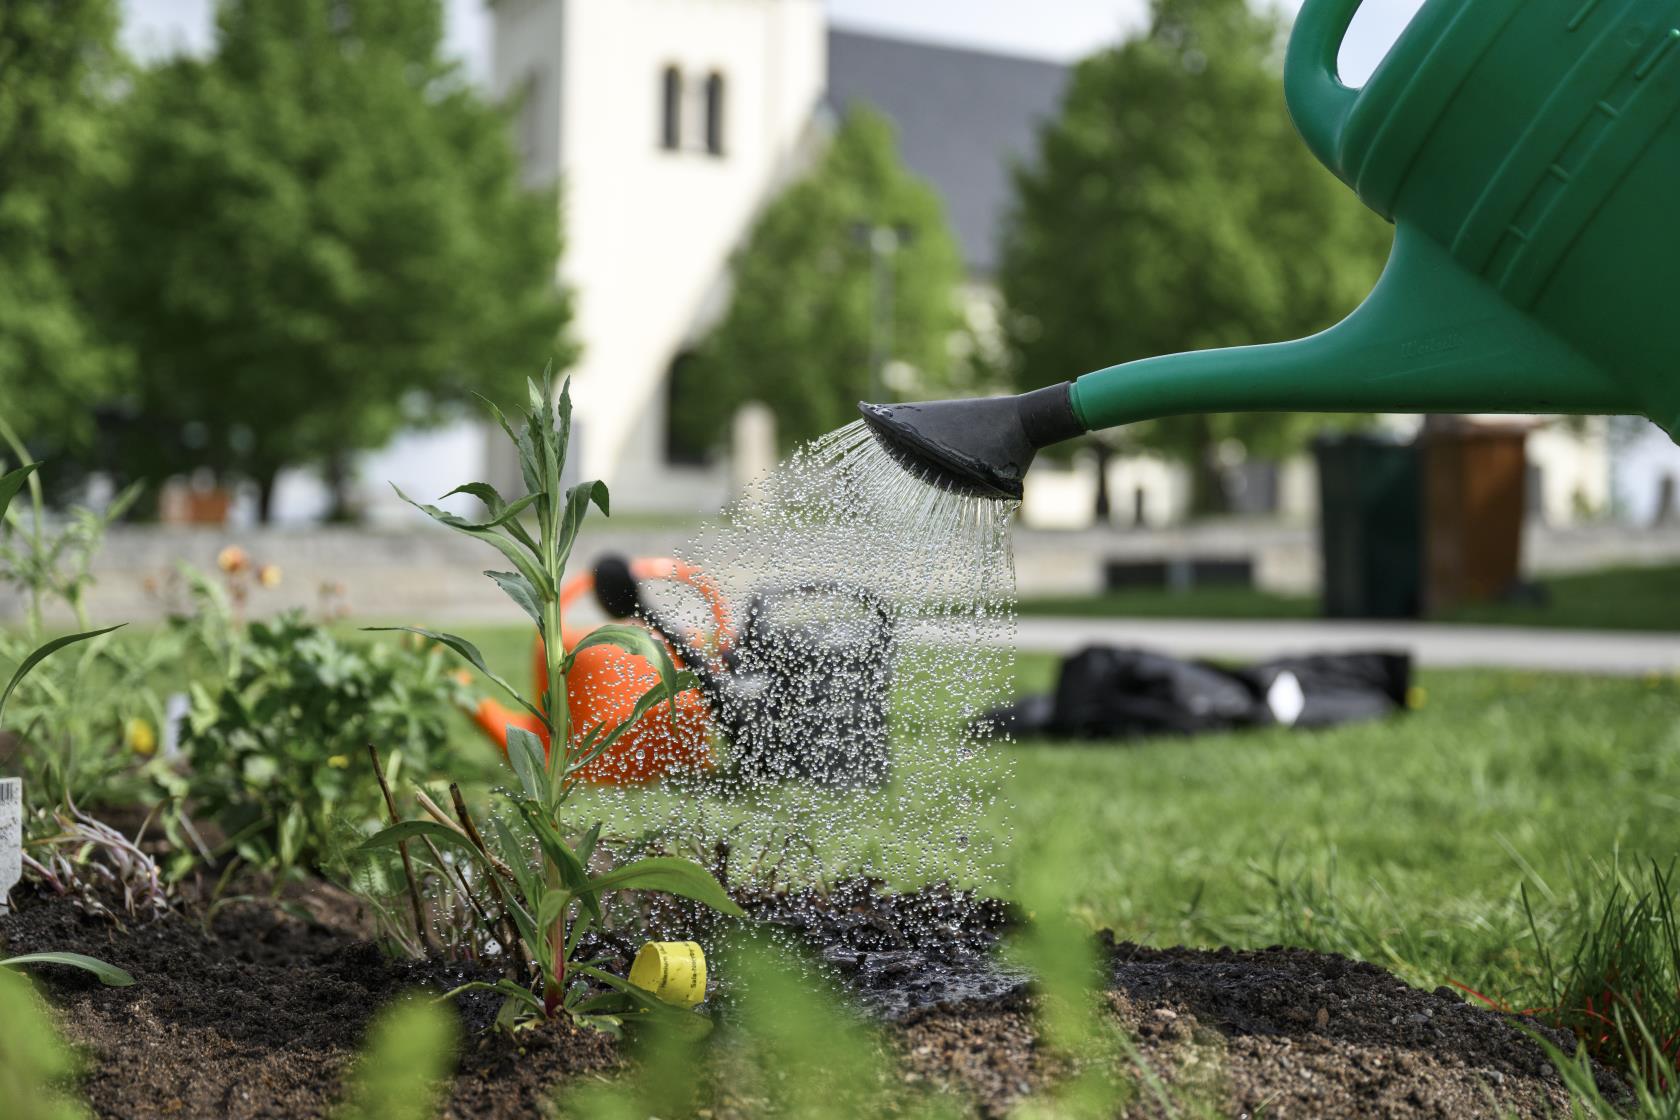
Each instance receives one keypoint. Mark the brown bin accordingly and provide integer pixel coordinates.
(1475, 493)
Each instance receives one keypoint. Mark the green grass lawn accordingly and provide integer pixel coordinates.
(1614, 599)
(1404, 842)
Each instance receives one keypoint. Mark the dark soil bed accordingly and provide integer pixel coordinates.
(260, 1020)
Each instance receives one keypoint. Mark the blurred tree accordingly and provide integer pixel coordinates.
(59, 66)
(325, 240)
(809, 315)
(1172, 207)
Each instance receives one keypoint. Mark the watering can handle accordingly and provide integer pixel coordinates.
(1318, 101)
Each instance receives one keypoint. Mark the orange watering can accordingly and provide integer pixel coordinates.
(605, 682)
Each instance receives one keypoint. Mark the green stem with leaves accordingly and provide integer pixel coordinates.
(552, 910)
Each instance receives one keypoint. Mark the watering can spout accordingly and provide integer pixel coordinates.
(1429, 338)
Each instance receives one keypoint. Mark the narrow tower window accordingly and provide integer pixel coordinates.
(714, 114)
(670, 137)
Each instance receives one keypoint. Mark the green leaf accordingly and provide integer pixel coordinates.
(469, 651)
(484, 492)
(563, 418)
(45, 652)
(529, 932)
(554, 904)
(691, 1023)
(12, 481)
(573, 874)
(540, 437)
(519, 589)
(507, 546)
(291, 834)
(497, 520)
(526, 756)
(586, 846)
(594, 748)
(396, 834)
(632, 639)
(514, 854)
(118, 505)
(528, 470)
(507, 988)
(577, 505)
(109, 974)
(669, 875)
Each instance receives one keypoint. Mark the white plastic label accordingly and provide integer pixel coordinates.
(11, 836)
(1286, 699)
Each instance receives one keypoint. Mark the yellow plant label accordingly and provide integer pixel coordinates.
(674, 971)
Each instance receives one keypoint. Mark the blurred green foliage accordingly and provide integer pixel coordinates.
(59, 70)
(279, 753)
(408, 1053)
(323, 239)
(34, 1063)
(1172, 207)
(798, 332)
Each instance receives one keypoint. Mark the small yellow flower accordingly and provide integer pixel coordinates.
(140, 737)
(269, 576)
(1416, 697)
(339, 762)
(233, 559)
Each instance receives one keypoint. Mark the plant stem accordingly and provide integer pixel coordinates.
(402, 847)
(36, 545)
(513, 939)
(466, 891)
(559, 716)
(554, 651)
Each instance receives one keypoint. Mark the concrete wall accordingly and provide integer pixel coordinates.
(430, 575)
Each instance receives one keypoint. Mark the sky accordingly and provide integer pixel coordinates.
(1061, 30)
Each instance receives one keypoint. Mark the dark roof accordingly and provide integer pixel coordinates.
(964, 118)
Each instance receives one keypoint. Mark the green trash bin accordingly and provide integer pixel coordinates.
(1370, 526)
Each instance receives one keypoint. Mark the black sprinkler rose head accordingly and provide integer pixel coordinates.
(980, 447)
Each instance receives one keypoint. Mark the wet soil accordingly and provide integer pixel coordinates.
(261, 1018)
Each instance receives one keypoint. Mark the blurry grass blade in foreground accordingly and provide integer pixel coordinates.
(1061, 955)
(408, 1055)
(793, 1049)
(34, 1063)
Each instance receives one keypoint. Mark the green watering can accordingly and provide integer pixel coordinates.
(1528, 153)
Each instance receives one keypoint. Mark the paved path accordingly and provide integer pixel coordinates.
(1434, 645)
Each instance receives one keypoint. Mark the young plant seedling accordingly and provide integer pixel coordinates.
(553, 899)
(10, 483)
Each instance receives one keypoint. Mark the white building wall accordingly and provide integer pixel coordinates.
(1574, 468)
(649, 231)
(1063, 495)
(527, 51)
(1644, 457)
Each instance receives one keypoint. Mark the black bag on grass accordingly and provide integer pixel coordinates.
(1113, 692)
